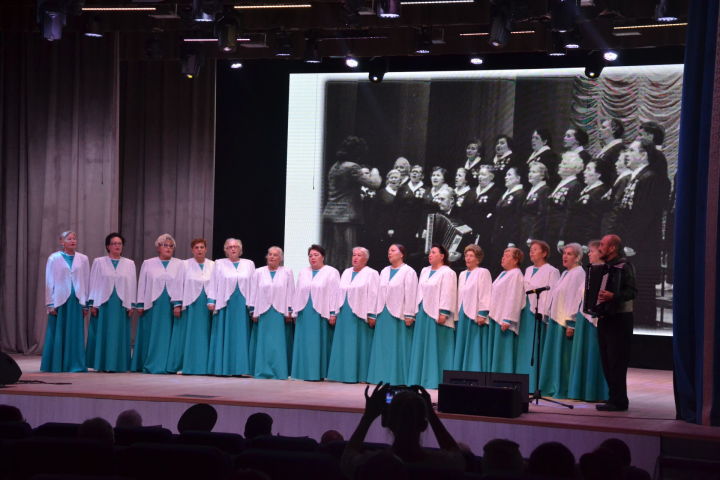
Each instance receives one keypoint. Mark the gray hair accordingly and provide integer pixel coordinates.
(574, 159)
(394, 170)
(364, 250)
(540, 166)
(275, 247)
(66, 234)
(576, 249)
(231, 239)
(164, 238)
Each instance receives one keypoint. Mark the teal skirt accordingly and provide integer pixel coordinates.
(504, 349)
(108, 346)
(528, 331)
(311, 347)
(190, 349)
(390, 352)
(555, 371)
(350, 352)
(431, 352)
(152, 341)
(230, 339)
(587, 381)
(64, 349)
(271, 351)
(472, 348)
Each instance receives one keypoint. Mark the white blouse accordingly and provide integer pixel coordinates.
(438, 292)
(323, 288)
(60, 279)
(226, 277)
(399, 293)
(154, 277)
(195, 279)
(104, 277)
(474, 291)
(508, 299)
(546, 276)
(567, 296)
(361, 291)
(276, 292)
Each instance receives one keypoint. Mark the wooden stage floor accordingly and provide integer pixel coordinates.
(302, 408)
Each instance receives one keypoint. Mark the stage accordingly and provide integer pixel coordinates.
(302, 408)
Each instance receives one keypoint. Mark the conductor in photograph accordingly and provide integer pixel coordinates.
(615, 322)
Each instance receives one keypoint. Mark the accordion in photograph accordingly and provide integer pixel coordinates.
(451, 235)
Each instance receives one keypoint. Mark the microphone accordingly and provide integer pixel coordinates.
(537, 290)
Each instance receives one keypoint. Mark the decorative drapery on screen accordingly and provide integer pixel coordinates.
(655, 95)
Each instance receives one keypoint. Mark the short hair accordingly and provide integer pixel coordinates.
(10, 413)
(317, 248)
(331, 436)
(576, 249)
(351, 149)
(417, 166)
(407, 413)
(552, 459)
(275, 247)
(517, 254)
(489, 169)
(576, 160)
(580, 135)
(195, 241)
(66, 234)
(541, 166)
(508, 140)
(656, 130)
(593, 244)
(443, 250)
(620, 449)
(477, 250)
(393, 170)
(616, 241)
(128, 419)
(258, 425)
(543, 246)
(401, 160)
(401, 247)
(544, 135)
(476, 141)
(501, 456)
(97, 429)
(165, 237)
(364, 250)
(200, 417)
(617, 127)
(442, 170)
(231, 239)
(109, 238)
(464, 170)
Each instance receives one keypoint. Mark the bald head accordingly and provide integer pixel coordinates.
(610, 247)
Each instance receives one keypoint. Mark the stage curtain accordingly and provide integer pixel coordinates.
(632, 99)
(695, 308)
(167, 144)
(58, 164)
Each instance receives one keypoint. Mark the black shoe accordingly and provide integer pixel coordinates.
(610, 407)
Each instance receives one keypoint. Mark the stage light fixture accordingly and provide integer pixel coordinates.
(284, 48)
(500, 25)
(206, 10)
(666, 11)
(388, 8)
(557, 46)
(52, 16)
(226, 31)
(570, 40)
(312, 52)
(236, 65)
(424, 41)
(191, 61)
(594, 64)
(475, 60)
(377, 68)
(92, 28)
(610, 55)
(351, 61)
(563, 15)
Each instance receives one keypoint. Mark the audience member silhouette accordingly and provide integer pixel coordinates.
(128, 419)
(331, 436)
(10, 413)
(552, 459)
(97, 429)
(258, 425)
(201, 417)
(502, 457)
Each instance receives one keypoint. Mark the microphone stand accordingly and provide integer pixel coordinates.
(537, 395)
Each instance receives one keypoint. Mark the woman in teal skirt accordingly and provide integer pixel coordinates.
(159, 289)
(271, 305)
(190, 342)
(506, 303)
(472, 328)
(316, 295)
(434, 336)
(352, 340)
(565, 305)
(540, 274)
(397, 293)
(66, 289)
(587, 381)
(229, 288)
(113, 286)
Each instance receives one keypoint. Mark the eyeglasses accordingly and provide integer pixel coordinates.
(167, 245)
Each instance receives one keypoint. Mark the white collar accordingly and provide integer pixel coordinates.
(533, 155)
(578, 149)
(512, 190)
(537, 187)
(506, 154)
(479, 191)
(637, 171)
(609, 146)
(469, 165)
(390, 191)
(462, 191)
(564, 182)
(590, 187)
(414, 187)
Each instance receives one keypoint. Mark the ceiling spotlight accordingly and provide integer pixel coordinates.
(284, 48)
(206, 10)
(563, 15)
(666, 11)
(236, 65)
(388, 8)
(610, 55)
(500, 25)
(476, 60)
(51, 23)
(93, 28)
(595, 64)
(376, 69)
(425, 41)
(312, 52)
(351, 61)
(226, 31)
(190, 64)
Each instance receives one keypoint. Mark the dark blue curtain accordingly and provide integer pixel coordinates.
(689, 315)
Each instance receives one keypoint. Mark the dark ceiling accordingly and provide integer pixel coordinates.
(338, 27)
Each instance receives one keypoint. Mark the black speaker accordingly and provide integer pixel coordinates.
(9, 370)
(479, 400)
(518, 381)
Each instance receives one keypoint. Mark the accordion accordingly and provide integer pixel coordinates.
(600, 277)
(442, 230)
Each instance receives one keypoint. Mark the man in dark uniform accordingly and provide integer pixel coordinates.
(615, 322)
